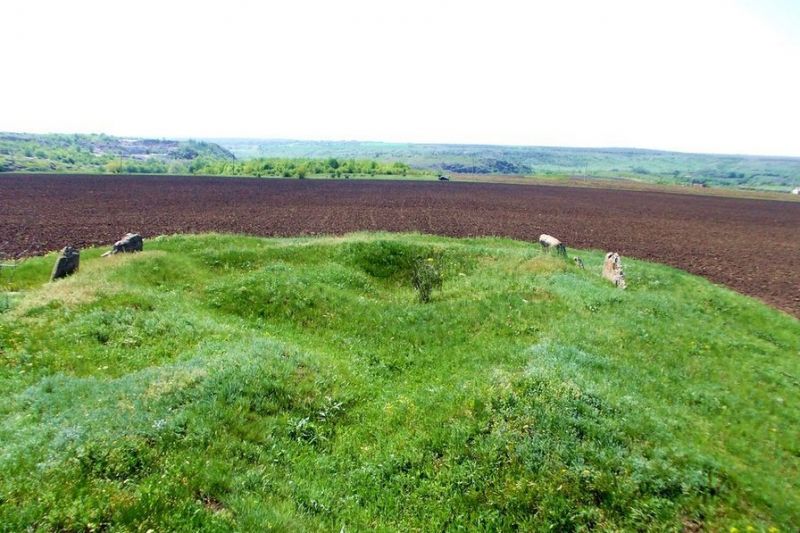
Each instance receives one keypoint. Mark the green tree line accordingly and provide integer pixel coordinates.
(300, 167)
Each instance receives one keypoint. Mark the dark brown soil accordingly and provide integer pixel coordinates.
(752, 246)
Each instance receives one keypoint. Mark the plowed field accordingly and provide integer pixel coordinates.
(752, 246)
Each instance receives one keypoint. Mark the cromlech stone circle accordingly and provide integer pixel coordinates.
(549, 242)
(612, 270)
(578, 262)
(67, 263)
(131, 242)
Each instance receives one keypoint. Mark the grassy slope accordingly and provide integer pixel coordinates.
(218, 381)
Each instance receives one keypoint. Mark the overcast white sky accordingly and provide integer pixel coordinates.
(691, 75)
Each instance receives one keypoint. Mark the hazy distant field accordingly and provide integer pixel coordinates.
(105, 154)
(652, 166)
(628, 185)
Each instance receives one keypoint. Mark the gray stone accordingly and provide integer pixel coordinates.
(67, 263)
(612, 270)
(131, 242)
(549, 242)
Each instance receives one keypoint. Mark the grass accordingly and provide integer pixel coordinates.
(227, 382)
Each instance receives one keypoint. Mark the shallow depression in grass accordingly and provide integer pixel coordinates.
(229, 382)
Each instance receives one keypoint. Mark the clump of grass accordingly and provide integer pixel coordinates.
(425, 277)
(223, 382)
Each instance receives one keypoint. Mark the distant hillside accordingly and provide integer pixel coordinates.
(752, 172)
(25, 152)
(98, 153)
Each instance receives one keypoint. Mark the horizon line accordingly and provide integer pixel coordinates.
(417, 143)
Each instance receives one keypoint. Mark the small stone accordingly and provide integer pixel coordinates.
(67, 263)
(549, 242)
(131, 242)
(612, 270)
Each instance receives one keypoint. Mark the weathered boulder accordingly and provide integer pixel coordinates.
(549, 242)
(612, 270)
(131, 242)
(67, 263)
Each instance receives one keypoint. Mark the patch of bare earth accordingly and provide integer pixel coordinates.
(750, 245)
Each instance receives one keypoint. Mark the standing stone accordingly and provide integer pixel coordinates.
(131, 242)
(67, 263)
(612, 270)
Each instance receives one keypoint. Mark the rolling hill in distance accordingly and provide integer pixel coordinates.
(23, 152)
(26, 152)
(653, 166)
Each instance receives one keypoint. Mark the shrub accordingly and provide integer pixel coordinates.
(425, 277)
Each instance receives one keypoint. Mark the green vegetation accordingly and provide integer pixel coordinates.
(260, 158)
(21, 152)
(226, 382)
(304, 167)
(113, 155)
(651, 166)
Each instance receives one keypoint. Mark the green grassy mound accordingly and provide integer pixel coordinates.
(224, 382)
